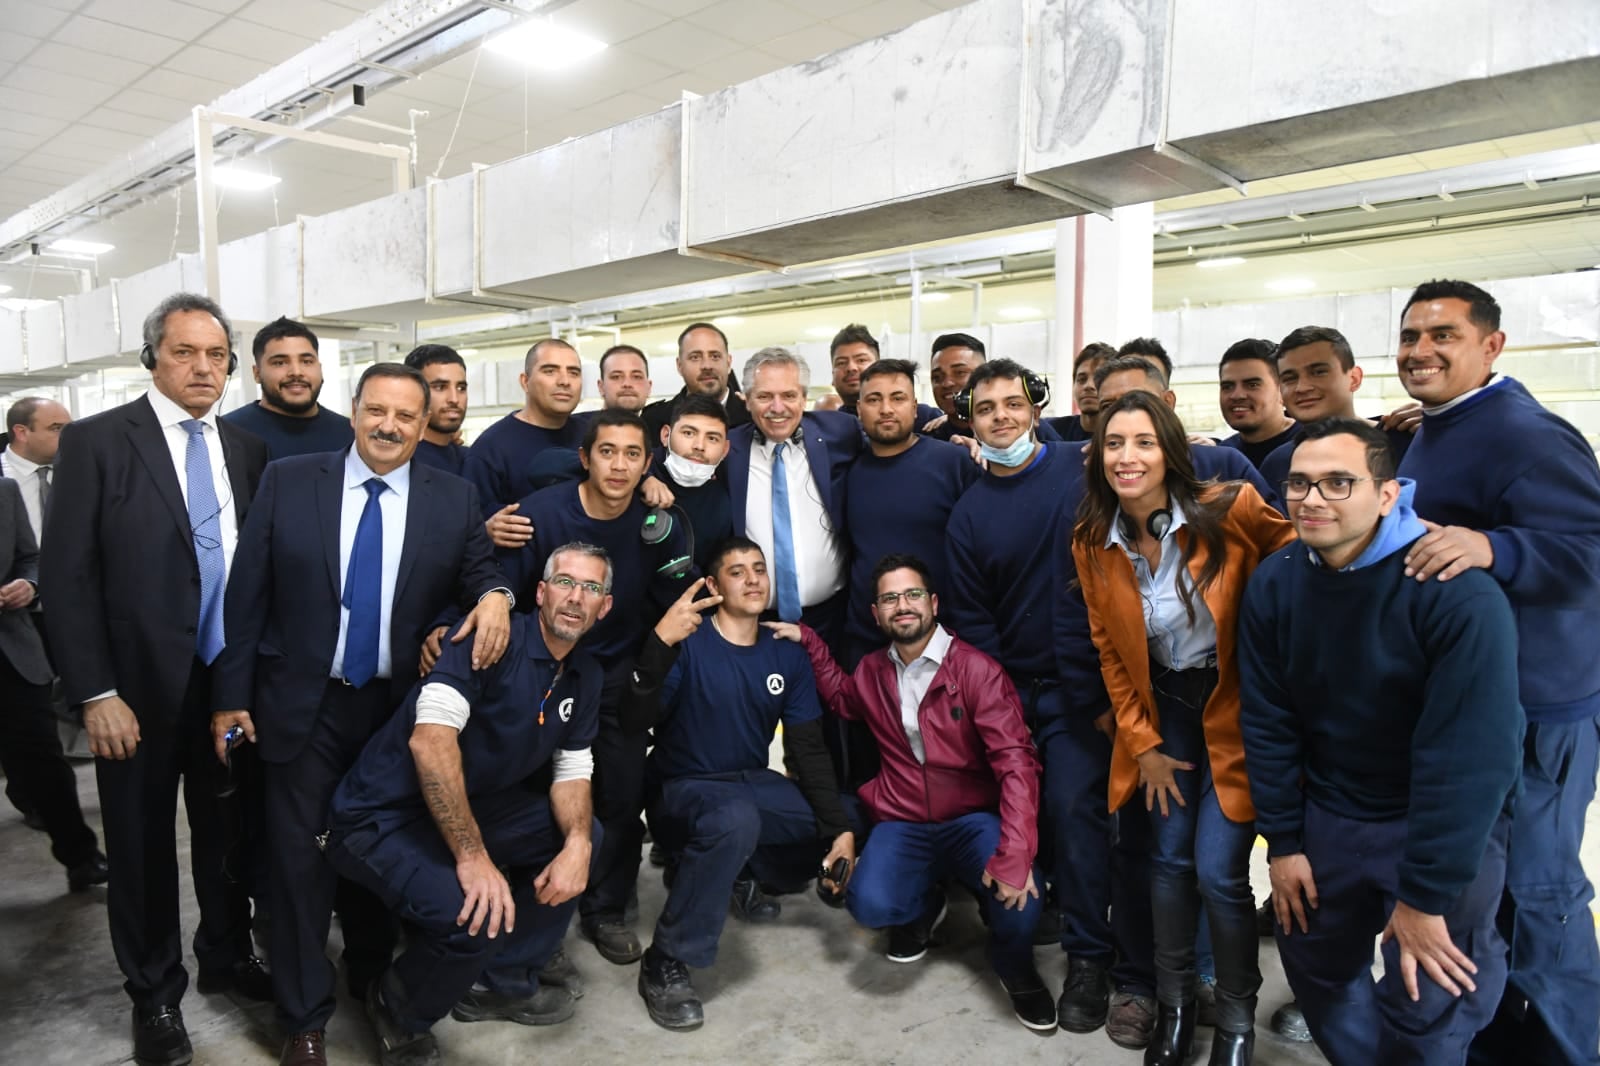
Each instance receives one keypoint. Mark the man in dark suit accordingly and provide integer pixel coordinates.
(346, 559)
(798, 519)
(705, 364)
(143, 521)
(30, 751)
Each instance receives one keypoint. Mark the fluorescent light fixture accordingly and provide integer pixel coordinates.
(81, 247)
(234, 177)
(464, 352)
(727, 320)
(820, 331)
(935, 297)
(1020, 312)
(1220, 261)
(540, 42)
(846, 273)
(1291, 285)
(5, 288)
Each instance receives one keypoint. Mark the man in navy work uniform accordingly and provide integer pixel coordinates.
(446, 374)
(1010, 599)
(604, 509)
(958, 796)
(531, 447)
(448, 818)
(1382, 728)
(288, 368)
(1251, 402)
(898, 494)
(715, 695)
(1514, 490)
(344, 561)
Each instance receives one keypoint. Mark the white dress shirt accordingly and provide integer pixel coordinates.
(914, 679)
(171, 417)
(1174, 641)
(25, 472)
(392, 503)
(818, 555)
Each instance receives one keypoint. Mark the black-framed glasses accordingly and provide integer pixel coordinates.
(1331, 489)
(889, 599)
(567, 584)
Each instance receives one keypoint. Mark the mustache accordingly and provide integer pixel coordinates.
(387, 438)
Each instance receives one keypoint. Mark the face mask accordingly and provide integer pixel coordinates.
(688, 473)
(1015, 455)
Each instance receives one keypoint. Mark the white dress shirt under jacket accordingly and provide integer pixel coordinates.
(819, 556)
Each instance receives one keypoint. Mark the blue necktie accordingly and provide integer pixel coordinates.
(783, 542)
(205, 526)
(363, 591)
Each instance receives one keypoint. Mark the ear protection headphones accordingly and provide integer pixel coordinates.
(658, 526)
(1156, 525)
(1034, 387)
(147, 359)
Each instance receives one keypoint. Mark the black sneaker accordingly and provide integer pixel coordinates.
(1032, 1002)
(909, 942)
(248, 978)
(750, 904)
(1289, 1023)
(1086, 996)
(560, 973)
(549, 1005)
(667, 993)
(159, 1037)
(613, 939)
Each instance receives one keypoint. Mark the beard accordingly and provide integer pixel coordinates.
(294, 407)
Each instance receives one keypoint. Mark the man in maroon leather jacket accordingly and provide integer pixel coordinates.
(958, 795)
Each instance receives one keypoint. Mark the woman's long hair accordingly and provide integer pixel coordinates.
(1203, 506)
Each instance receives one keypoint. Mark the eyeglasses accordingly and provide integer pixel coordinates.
(1330, 488)
(567, 584)
(889, 599)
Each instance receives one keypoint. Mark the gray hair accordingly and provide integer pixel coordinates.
(578, 547)
(155, 323)
(773, 357)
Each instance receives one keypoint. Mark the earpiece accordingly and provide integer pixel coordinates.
(1034, 386)
(1156, 525)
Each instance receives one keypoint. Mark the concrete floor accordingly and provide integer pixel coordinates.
(813, 988)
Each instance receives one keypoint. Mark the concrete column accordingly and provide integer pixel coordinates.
(1104, 287)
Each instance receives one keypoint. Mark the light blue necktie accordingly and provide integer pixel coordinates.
(363, 591)
(783, 541)
(205, 526)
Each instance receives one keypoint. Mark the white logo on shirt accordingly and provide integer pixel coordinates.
(775, 684)
(565, 710)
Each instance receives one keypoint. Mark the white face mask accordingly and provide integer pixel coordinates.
(688, 473)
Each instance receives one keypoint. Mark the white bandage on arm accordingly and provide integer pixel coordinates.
(442, 705)
(573, 765)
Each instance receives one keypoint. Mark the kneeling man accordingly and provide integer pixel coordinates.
(469, 815)
(958, 795)
(715, 695)
(1383, 733)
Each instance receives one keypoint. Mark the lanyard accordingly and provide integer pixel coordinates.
(560, 667)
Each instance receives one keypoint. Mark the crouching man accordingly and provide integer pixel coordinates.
(1383, 733)
(469, 816)
(958, 795)
(715, 695)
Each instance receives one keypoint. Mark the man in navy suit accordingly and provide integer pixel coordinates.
(344, 563)
(144, 517)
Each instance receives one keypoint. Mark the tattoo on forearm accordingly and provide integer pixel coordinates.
(453, 819)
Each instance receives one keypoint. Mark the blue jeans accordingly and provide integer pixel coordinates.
(897, 880)
(713, 827)
(1355, 1020)
(409, 867)
(1199, 852)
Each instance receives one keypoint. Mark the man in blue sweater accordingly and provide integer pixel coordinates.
(1515, 490)
(1011, 598)
(1382, 727)
(898, 494)
(289, 370)
(446, 374)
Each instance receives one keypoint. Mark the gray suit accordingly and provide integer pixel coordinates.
(19, 639)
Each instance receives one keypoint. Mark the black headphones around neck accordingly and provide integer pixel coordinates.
(147, 359)
(1156, 525)
(658, 526)
(1034, 387)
